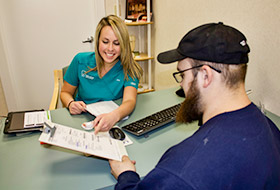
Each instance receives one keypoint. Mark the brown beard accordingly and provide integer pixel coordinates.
(191, 109)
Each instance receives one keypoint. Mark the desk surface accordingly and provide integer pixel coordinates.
(25, 164)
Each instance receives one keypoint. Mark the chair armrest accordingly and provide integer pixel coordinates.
(58, 81)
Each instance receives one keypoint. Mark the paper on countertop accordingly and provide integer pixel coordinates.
(36, 118)
(127, 141)
(102, 107)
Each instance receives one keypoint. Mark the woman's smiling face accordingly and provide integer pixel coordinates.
(109, 46)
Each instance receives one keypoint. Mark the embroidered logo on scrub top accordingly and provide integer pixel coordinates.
(86, 76)
(133, 83)
(118, 80)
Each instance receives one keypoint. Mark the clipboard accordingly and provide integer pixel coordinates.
(15, 123)
(101, 145)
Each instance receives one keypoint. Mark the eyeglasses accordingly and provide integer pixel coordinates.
(179, 75)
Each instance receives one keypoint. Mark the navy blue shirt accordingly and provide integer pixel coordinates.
(234, 150)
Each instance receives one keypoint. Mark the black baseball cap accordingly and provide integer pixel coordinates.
(213, 42)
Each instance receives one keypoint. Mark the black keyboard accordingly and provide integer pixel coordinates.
(153, 121)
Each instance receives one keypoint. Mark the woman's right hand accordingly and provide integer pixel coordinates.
(77, 107)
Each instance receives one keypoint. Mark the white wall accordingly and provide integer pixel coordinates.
(5, 74)
(3, 104)
(36, 37)
(257, 19)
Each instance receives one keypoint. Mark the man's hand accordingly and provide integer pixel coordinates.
(118, 167)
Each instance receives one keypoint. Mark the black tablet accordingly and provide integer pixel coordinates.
(15, 123)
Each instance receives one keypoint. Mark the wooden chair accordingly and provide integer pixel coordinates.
(58, 82)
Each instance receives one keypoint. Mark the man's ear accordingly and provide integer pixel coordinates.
(207, 75)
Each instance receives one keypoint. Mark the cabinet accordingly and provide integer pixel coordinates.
(144, 56)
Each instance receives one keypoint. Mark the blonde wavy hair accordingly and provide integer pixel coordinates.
(130, 66)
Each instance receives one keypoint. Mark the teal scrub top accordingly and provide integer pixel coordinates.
(92, 88)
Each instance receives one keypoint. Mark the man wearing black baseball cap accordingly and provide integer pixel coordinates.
(236, 146)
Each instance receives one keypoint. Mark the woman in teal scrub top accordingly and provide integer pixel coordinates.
(109, 73)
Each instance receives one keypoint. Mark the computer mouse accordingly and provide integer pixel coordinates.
(180, 93)
(87, 125)
(117, 133)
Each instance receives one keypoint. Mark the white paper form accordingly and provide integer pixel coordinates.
(102, 107)
(100, 145)
(36, 119)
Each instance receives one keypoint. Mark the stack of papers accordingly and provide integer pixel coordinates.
(102, 107)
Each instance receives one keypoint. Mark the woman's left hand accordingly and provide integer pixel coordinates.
(104, 122)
